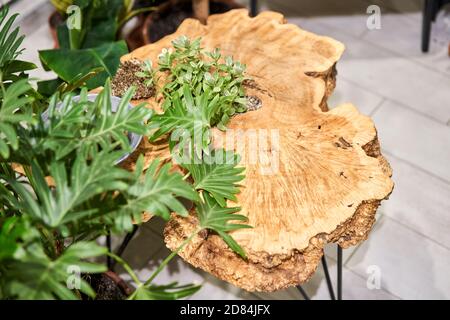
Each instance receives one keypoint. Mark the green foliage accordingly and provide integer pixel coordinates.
(71, 64)
(217, 174)
(72, 191)
(188, 120)
(96, 44)
(171, 291)
(11, 69)
(9, 41)
(204, 73)
(27, 271)
(156, 192)
(14, 109)
(82, 123)
(214, 217)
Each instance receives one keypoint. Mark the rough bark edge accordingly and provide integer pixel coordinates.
(329, 78)
(274, 272)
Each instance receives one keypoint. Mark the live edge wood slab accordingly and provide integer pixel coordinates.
(331, 176)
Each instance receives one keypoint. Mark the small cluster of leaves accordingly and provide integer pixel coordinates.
(148, 73)
(204, 73)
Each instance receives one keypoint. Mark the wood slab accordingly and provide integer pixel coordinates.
(329, 175)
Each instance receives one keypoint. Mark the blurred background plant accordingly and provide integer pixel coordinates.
(88, 37)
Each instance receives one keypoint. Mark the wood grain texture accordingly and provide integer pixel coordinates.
(329, 175)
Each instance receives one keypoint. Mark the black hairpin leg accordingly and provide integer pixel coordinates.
(303, 292)
(124, 245)
(328, 278)
(108, 245)
(339, 272)
(253, 7)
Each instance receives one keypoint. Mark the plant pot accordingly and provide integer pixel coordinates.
(170, 15)
(134, 38)
(133, 138)
(108, 286)
(54, 21)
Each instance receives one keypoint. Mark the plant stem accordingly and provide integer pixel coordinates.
(171, 256)
(127, 268)
(186, 176)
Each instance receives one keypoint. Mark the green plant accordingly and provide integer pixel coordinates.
(148, 73)
(71, 191)
(204, 73)
(96, 44)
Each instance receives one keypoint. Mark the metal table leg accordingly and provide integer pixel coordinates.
(108, 245)
(124, 245)
(328, 278)
(339, 273)
(303, 293)
(253, 7)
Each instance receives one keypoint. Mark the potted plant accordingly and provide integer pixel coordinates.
(61, 188)
(128, 9)
(166, 19)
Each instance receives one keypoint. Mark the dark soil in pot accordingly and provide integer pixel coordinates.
(108, 286)
(169, 16)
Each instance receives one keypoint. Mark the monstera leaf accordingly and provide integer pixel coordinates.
(69, 64)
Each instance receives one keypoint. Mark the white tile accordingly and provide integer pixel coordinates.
(354, 287)
(420, 201)
(415, 138)
(345, 92)
(142, 249)
(397, 78)
(410, 266)
(39, 40)
(402, 33)
(386, 73)
(347, 16)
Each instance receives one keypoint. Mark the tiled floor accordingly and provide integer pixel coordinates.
(407, 93)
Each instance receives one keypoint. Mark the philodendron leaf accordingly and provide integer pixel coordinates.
(218, 174)
(172, 291)
(14, 109)
(158, 192)
(69, 64)
(35, 276)
(214, 217)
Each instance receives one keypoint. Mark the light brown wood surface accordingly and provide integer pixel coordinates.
(330, 178)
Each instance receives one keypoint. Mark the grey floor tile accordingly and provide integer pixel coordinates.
(415, 138)
(397, 78)
(402, 33)
(346, 16)
(354, 287)
(363, 99)
(420, 201)
(410, 265)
